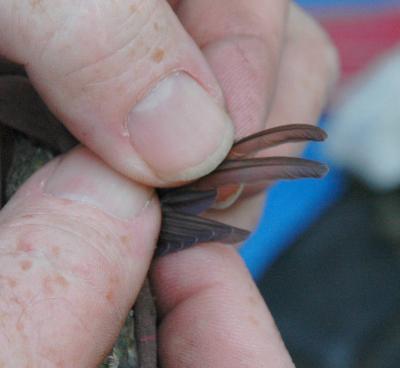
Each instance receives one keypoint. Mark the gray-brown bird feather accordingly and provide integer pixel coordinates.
(22, 109)
(186, 200)
(180, 231)
(268, 138)
(256, 170)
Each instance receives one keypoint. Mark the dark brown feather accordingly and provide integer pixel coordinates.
(187, 200)
(180, 231)
(22, 109)
(255, 170)
(275, 136)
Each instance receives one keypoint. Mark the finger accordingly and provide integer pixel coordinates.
(308, 73)
(242, 42)
(173, 3)
(126, 79)
(75, 245)
(212, 312)
(309, 69)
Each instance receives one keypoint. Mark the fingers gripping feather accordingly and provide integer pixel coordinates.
(182, 229)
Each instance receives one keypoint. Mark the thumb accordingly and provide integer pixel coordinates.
(127, 81)
(76, 242)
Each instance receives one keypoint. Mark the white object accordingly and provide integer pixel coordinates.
(364, 133)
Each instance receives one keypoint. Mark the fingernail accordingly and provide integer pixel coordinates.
(227, 195)
(179, 130)
(82, 177)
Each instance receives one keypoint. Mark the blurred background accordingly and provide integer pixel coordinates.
(327, 253)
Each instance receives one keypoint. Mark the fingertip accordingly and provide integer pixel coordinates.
(179, 130)
(154, 113)
(81, 253)
(213, 314)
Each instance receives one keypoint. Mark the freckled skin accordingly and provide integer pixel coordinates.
(47, 286)
(25, 246)
(35, 3)
(253, 320)
(28, 216)
(55, 251)
(133, 8)
(25, 265)
(253, 300)
(125, 241)
(110, 295)
(19, 326)
(158, 55)
(9, 280)
(12, 282)
(51, 282)
(62, 281)
(97, 113)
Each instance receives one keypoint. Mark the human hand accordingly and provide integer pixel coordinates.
(212, 313)
(74, 253)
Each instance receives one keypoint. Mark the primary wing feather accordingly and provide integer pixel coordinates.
(275, 136)
(255, 170)
(180, 231)
(188, 200)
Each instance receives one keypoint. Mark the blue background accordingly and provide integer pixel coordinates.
(348, 3)
(292, 207)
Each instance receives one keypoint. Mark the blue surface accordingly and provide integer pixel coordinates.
(348, 3)
(291, 207)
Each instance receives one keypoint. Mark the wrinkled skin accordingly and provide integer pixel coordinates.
(77, 240)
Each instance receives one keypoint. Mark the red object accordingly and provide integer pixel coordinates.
(362, 36)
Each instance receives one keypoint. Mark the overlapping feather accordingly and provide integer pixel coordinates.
(183, 225)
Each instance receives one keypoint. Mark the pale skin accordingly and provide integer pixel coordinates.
(76, 241)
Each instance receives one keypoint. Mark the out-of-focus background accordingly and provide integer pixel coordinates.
(327, 253)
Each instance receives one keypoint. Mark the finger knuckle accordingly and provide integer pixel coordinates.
(96, 35)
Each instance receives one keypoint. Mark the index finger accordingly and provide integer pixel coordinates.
(242, 42)
(126, 80)
(212, 313)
